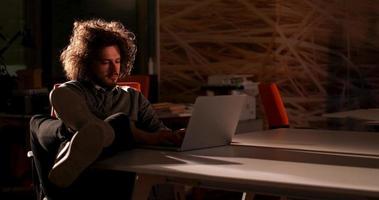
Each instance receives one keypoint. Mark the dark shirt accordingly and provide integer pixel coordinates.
(105, 102)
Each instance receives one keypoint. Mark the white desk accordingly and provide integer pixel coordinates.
(246, 168)
(371, 114)
(361, 118)
(327, 141)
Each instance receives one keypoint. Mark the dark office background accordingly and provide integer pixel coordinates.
(322, 54)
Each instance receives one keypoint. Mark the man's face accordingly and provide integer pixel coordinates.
(106, 68)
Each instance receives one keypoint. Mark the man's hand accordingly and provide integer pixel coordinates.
(171, 138)
(162, 137)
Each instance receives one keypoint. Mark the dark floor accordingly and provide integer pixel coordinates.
(16, 193)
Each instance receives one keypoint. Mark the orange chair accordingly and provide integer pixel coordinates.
(144, 80)
(134, 85)
(275, 112)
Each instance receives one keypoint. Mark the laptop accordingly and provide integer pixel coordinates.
(213, 123)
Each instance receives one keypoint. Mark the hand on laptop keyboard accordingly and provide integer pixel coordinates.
(161, 137)
(174, 138)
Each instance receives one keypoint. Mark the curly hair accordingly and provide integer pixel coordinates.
(88, 38)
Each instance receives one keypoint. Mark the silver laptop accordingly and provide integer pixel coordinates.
(213, 122)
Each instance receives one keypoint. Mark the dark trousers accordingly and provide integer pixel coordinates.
(48, 135)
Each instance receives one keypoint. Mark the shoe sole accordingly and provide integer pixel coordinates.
(85, 147)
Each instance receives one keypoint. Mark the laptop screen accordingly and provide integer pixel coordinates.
(213, 122)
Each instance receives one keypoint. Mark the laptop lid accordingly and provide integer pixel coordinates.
(213, 122)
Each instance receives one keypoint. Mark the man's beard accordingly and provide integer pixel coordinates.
(104, 83)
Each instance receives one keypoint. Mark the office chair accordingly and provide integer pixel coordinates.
(35, 180)
(274, 110)
(143, 80)
(276, 117)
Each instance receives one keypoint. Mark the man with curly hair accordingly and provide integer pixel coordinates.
(95, 116)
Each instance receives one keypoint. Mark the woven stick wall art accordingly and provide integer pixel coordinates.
(321, 53)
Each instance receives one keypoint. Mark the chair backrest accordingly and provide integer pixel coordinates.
(123, 85)
(144, 80)
(275, 112)
(134, 85)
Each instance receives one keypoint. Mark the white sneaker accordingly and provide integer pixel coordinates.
(84, 148)
(72, 109)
